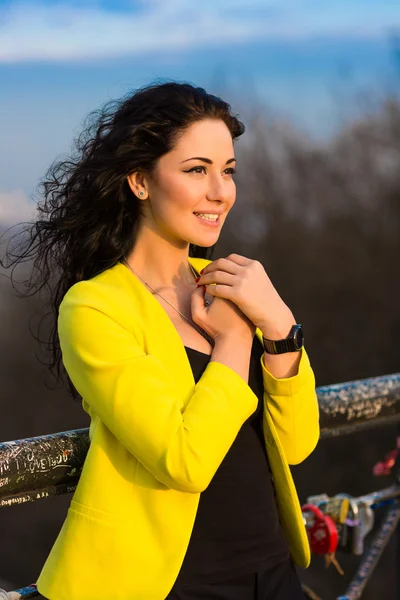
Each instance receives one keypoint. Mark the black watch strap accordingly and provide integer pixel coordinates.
(293, 342)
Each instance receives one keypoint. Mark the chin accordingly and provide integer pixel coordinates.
(203, 244)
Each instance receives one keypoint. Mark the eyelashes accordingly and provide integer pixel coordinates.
(193, 169)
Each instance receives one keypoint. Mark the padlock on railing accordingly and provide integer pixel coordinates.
(321, 529)
(349, 531)
(354, 519)
(336, 507)
(322, 534)
(366, 518)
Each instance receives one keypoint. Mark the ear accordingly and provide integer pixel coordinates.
(137, 184)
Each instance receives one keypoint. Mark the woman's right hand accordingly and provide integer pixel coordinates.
(222, 318)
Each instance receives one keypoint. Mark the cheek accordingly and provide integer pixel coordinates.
(182, 194)
(174, 203)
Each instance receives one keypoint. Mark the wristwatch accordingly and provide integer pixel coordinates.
(293, 342)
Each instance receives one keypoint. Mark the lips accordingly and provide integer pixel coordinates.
(210, 223)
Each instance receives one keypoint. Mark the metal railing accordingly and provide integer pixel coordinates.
(41, 467)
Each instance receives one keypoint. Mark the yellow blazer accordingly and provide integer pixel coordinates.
(157, 439)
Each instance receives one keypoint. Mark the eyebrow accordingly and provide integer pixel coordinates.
(207, 160)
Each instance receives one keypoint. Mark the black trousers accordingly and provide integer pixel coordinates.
(278, 583)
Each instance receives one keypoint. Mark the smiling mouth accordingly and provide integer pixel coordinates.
(211, 222)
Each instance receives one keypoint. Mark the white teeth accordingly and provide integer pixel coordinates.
(207, 216)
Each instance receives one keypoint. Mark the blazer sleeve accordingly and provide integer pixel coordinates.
(292, 403)
(133, 394)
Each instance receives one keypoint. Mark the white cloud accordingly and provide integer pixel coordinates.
(15, 207)
(60, 32)
(32, 31)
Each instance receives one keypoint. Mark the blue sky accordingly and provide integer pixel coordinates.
(60, 59)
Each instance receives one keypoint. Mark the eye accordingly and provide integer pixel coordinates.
(194, 170)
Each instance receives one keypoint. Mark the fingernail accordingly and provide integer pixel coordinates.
(197, 278)
(202, 271)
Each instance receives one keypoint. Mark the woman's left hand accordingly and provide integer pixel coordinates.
(245, 282)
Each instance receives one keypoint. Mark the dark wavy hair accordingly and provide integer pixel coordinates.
(88, 215)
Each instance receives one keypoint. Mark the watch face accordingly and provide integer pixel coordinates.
(299, 337)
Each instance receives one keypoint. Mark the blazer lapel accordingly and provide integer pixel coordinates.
(160, 335)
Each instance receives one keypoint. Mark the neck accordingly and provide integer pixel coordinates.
(160, 264)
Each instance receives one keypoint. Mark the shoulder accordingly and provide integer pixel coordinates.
(90, 291)
(112, 292)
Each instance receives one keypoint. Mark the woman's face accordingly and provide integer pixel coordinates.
(183, 185)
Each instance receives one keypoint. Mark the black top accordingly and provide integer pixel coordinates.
(237, 527)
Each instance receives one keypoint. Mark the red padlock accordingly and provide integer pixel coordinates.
(322, 533)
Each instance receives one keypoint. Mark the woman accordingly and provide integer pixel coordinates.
(185, 492)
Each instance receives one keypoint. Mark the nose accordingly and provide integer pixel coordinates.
(220, 190)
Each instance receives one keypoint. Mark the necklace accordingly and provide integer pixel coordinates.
(206, 302)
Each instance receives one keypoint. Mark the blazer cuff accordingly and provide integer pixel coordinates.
(287, 386)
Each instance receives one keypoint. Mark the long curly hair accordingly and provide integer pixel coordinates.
(88, 217)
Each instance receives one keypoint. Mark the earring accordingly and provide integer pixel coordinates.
(141, 194)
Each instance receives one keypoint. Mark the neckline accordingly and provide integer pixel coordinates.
(132, 277)
(198, 351)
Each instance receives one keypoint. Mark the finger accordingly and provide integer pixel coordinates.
(221, 264)
(222, 291)
(238, 259)
(217, 277)
(197, 299)
(215, 265)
